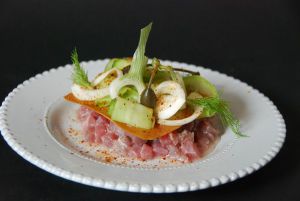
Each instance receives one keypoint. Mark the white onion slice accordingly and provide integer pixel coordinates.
(180, 122)
(170, 98)
(102, 76)
(88, 94)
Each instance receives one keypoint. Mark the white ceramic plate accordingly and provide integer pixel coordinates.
(28, 126)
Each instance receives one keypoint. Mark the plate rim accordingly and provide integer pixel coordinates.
(140, 187)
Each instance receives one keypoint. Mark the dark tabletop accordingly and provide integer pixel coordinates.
(255, 41)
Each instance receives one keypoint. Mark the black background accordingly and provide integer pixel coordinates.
(255, 41)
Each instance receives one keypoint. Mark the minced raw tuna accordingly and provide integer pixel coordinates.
(189, 143)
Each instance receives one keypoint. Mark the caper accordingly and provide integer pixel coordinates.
(148, 97)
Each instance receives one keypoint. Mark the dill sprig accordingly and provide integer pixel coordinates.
(79, 76)
(217, 105)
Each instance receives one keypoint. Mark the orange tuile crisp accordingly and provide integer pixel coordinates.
(146, 134)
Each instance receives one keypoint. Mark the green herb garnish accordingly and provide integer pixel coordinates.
(216, 104)
(79, 76)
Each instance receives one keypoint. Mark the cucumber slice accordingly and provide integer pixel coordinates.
(134, 114)
(196, 83)
(129, 93)
(201, 85)
(159, 77)
(119, 63)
